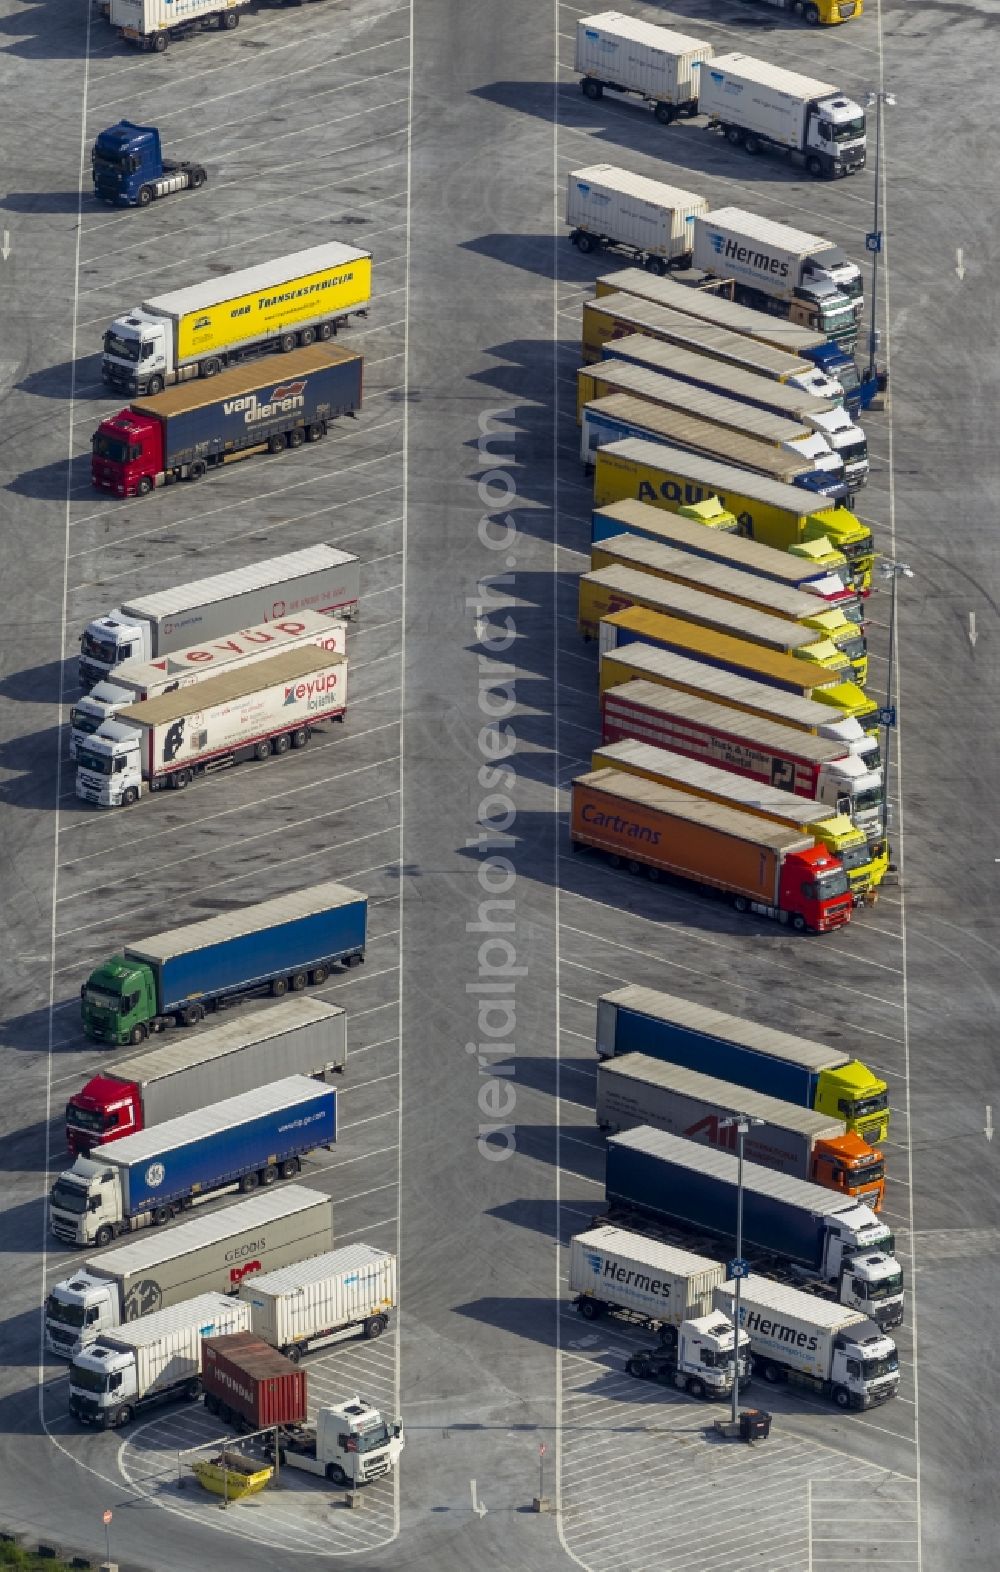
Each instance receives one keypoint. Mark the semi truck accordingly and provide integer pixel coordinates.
(350, 1443)
(154, 1360)
(816, 12)
(729, 418)
(761, 868)
(318, 578)
(146, 1179)
(635, 1089)
(843, 840)
(228, 719)
(764, 751)
(174, 977)
(620, 316)
(825, 1349)
(622, 54)
(284, 304)
(621, 414)
(612, 209)
(134, 681)
(697, 1037)
(323, 1300)
(129, 169)
(213, 1253)
(604, 591)
(187, 431)
(793, 1229)
(152, 24)
(764, 108)
(615, 1272)
(777, 515)
(706, 529)
(825, 415)
(701, 296)
(300, 1036)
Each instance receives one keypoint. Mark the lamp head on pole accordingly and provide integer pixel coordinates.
(895, 570)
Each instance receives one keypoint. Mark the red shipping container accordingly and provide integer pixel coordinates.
(245, 1377)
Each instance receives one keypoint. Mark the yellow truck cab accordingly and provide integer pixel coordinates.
(853, 1093)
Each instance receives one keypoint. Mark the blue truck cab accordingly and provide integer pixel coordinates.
(129, 169)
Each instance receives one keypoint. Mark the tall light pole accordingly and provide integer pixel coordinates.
(875, 100)
(893, 571)
(741, 1123)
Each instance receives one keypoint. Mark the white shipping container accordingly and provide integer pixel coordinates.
(167, 1345)
(616, 205)
(626, 53)
(761, 97)
(339, 1289)
(148, 679)
(731, 243)
(149, 16)
(797, 1328)
(622, 1269)
(273, 588)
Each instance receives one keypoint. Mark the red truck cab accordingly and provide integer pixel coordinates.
(104, 1110)
(814, 890)
(127, 454)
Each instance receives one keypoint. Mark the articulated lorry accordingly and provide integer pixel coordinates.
(134, 681)
(845, 842)
(213, 1253)
(819, 12)
(612, 209)
(767, 752)
(824, 1349)
(762, 868)
(300, 1036)
(625, 316)
(621, 414)
(284, 304)
(129, 169)
(154, 1360)
(615, 1272)
(350, 1443)
(323, 1300)
(228, 719)
(702, 297)
(176, 976)
(146, 1179)
(706, 529)
(635, 1089)
(623, 54)
(152, 24)
(825, 415)
(792, 1229)
(764, 108)
(318, 578)
(184, 433)
(766, 511)
(696, 1037)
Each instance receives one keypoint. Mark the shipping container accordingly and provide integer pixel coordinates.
(602, 378)
(708, 305)
(249, 1383)
(761, 106)
(607, 206)
(761, 391)
(614, 1269)
(320, 1300)
(627, 55)
(616, 316)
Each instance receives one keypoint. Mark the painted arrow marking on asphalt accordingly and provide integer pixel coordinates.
(6, 248)
(988, 1132)
(973, 635)
(959, 264)
(477, 1506)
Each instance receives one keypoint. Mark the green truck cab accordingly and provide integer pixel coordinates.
(118, 1002)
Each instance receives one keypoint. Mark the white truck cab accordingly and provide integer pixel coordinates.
(77, 1311)
(350, 1443)
(697, 1357)
(859, 1260)
(85, 1204)
(847, 439)
(109, 771)
(107, 642)
(138, 353)
(103, 1386)
(89, 713)
(867, 1367)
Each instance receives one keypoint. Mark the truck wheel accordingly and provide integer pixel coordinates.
(194, 1389)
(104, 1235)
(296, 438)
(262, 749)
(811, 14)
(286, 343)
(159, 44)
(210, 367)
(129, 796)
(590, 1309)
(740, 903)
(375, 1326)
(154, 385)
(636, 1367)
(197, 470)
(180, 779)
(123, 1416)
(591, 89)
(145, 196)
(318, 976)
(144, 487)
(634, 868)
(696, 1387)
(668, 1337)
(585, 243)
(198, 178)
(814, 166)
(160, 1215)
(335, 1474)
(293, 1353)
(279, 988)
(799, 923)
(653, 874)
(228, 20)
(247, 1183)
(137, 1035)
(326, 330)
(268, 1176)
(300, 737)
(842, 1397)
(298, 981)
(656, 266)
(316, 433)
(734, 136)
(191, 1015)
(664, 113)
(289, 1168)
(307, 337)
(275, 444)
(771, 1373)
(751, 145)
(282, 743)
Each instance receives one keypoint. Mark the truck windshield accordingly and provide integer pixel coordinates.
(868, 801)
(854, 450)
(874, 1368)
(121, 348)
(862, 1106)
(840, 320)
(114, 449)
(831, 884)
(89, 1118)
(888, 1288)
(68, 1197)
(104, 650)
(854, 857)
(94, 762)
(81, 721)
(371, 1440)
(847, 376)
(853, 648)
(849, 130)
(88, 1380)
(869, 1174)
(66, 1315)
(103, 998)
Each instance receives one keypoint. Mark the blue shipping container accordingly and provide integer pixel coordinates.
(217, 1145)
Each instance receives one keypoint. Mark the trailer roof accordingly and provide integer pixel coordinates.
(824, 1313)
(705, 337)
(180, 1053)
(688, 604)
(200, 1123)
(632, 27)
(719, 476)
(650, 1252)
(731, 380)
(646, 623)
(739, 790)
(655, 558)
(694, 810)
(629, 184)
(710, 306)
(753, 730)
(243, 920)
(757, 228)
(693, 1017)
(238, 581)
(272, 373)
(673, 529)
(721, 1094)
(704, 436)
(229, 686)
(643, 382)
(263, 275)
(163, 667)
(348, 1258)
(158, 1245)
(150, 1328)
(724, 1166)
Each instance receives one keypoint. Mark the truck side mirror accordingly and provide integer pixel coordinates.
(397, 1428)
(94, 1203)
